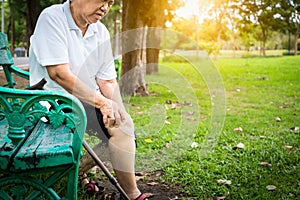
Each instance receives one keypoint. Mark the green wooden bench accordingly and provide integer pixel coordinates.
(41, 135)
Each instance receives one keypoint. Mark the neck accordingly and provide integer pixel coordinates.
(82, 25)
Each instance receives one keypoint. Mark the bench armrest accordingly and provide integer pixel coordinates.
(9, 69)
(19, 72)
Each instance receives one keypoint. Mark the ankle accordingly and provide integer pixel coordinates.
(134, 195)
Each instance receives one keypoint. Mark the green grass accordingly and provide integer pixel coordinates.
(179, 112)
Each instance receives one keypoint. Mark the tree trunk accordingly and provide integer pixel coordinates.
(265, 35)
(12, 38)
(31, 19)
(264, 48)
(296, 36)
(154, 23)
(11, 29)
(133, 73)
(152, 51)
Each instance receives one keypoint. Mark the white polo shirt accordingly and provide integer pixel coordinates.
(58, 40)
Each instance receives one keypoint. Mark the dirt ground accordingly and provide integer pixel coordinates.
(150, 186)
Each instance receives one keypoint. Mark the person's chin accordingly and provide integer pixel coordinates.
(95, 20)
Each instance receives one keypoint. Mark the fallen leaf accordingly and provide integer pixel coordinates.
(295, 129)
(140, 173)
(158, 173)
(238, 129)
(221, 197)
(271, 187)
(288, 147)
(148, 195)
(168, 102)
(277, 119)
(239, 146)
(173, 106)
(152, 183)
(148, 140)
(137, 178)
(222, 181)
(167, 122)
(194, 145)
(265, 164)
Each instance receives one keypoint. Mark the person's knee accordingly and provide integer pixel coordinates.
(125, 129)
(122, 140)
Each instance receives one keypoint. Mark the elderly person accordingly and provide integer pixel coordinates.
(70, 48)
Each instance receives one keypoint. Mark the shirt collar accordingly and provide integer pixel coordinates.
(70, 20)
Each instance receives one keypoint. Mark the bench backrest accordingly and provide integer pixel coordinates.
(5, 55)
(7, 63)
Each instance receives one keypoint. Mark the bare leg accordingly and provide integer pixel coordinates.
(122, 151)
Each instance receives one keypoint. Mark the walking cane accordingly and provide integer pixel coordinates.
(105, 170)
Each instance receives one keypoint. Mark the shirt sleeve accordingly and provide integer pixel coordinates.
(49, 42)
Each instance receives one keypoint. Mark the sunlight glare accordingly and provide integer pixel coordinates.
(194, 8)
(190, 9)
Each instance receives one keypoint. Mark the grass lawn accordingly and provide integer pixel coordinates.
(256, 152)
(226, 129)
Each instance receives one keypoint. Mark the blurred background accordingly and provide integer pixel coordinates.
(228, 28)
(215, 24)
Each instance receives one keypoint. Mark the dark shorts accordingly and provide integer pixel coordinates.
(95, 125)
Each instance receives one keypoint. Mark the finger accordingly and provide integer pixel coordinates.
(111, 122)
(117, 120)
(122, 116)
(105, 120)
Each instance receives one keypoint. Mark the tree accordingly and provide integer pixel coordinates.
(22, 18)
(289, 16)
(138, 18)
(159, 13)
(218, 12)
(113, 23)
(31, 18)
(133, 70)
(211, 33)
(232, 19)
(260, 13)
(16, 22)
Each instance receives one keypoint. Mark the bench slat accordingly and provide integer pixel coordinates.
(7, 150)
(45, 147)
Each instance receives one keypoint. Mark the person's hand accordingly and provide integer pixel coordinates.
(113, 114)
